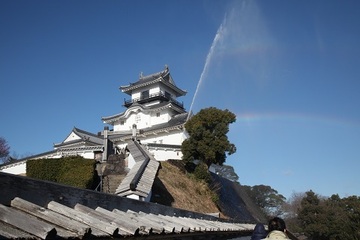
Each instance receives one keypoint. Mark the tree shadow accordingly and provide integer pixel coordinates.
(160, 194)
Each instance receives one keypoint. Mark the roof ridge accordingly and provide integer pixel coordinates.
(78, 130)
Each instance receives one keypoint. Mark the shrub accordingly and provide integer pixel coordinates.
(201, 172)
(75, 171)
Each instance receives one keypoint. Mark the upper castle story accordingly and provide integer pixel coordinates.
(153, 89)
(153, 101)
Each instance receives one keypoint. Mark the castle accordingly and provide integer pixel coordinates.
(152, 116)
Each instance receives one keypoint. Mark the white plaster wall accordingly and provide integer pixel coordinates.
(174, 138)
(89, 155)
(136, 197)
(135, 95)
(131, 161)
(142, 120)
(84, 154)
(145, 120)
(139, 118)
(133, 196)
(71, 137)
(119, 127)
(17, 169)
(165, 154)
(154, 90)
(163, 118)
(20, 168)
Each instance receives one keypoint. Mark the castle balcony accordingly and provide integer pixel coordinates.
(153, 97)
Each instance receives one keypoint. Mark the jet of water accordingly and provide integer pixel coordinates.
(219, 35)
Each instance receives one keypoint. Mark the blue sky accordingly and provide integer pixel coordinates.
(289, 70)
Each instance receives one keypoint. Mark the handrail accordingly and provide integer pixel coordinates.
(159, 94)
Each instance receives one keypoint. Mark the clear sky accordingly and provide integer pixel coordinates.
(289, 70)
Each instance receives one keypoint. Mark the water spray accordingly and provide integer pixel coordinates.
(219, 35)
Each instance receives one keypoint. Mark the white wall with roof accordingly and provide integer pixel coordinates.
(164, 154)
(171, 138)
(159, 117)
(142, 120)
(18, 168)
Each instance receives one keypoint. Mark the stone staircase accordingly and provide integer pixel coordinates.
(111, 182)
(113, 172)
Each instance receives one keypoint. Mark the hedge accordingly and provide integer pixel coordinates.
(74, 170)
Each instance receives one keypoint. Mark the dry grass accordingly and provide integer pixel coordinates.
(176, 189)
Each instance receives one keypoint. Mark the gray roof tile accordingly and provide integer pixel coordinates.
(60, 211)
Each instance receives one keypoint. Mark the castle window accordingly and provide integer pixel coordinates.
(167, 95)
(158, 114)
(122, 122)
(145, 94)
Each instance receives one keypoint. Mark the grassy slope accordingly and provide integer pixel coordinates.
(172, 183)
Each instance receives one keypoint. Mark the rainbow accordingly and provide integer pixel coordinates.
(249, 118)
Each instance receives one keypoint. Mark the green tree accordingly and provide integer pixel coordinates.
(331, 219)
(207, 140)
(311, 216)
(338, 223)
(352, 208)
(267, 198)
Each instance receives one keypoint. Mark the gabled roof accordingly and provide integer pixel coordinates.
(82, 138)
(35, 209)
(163, 77)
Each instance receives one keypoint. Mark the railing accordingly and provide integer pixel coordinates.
(153, 96)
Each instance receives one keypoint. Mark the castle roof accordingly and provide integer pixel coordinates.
(81, 137)
(162, 77)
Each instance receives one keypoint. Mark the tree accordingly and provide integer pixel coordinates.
(267, 198)
(207, 140)
(352, 208)
(4, 149)
(331, 219)
(291, 209)
(311, 216)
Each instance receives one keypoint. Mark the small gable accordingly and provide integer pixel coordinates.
(73, 136)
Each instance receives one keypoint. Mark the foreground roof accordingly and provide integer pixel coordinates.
(34, 209)
(23, 219)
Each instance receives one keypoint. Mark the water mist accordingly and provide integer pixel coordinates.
(218, 37)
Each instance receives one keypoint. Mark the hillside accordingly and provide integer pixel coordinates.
(173, 187)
